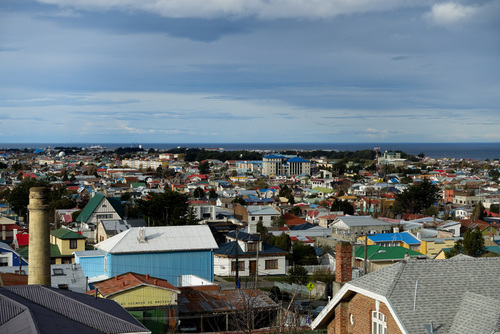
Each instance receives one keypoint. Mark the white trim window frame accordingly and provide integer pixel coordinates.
(379, 323)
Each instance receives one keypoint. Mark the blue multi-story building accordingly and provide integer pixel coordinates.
(165, 252)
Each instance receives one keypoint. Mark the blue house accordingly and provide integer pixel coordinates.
(165, 252)
(10, 260)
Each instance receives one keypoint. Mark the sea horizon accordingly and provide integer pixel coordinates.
(458, 150)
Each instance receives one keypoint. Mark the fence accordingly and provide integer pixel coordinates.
(318, 292)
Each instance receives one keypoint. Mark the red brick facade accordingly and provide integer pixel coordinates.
(359, 308)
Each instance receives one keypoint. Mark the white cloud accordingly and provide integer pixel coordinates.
(450, 13)
(264, 9)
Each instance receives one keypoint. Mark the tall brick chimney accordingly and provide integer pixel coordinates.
(343, 262)
(39, 237)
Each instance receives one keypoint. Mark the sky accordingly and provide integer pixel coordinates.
(249, 71)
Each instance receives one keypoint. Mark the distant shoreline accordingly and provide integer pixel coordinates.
(475, 151)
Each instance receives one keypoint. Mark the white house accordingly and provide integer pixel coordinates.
(254, 256)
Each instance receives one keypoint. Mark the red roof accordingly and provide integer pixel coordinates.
(22, 239)
(129, 280)
(293, 220)
(8, 279)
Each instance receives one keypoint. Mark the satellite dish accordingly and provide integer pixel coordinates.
(61, 154)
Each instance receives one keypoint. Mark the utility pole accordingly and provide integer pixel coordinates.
(237, 266)
(366, 252)
(257, 265)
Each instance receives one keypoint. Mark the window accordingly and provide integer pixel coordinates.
(379, 323)
(253, 218)
(271, 264)
(241, 265)
(4, 261)
(104, 216)
(57, 272)
(251, 247)
(73, 244)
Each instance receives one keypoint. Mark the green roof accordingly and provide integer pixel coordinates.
(380, 253)
(54, 251)
(94, 202)
(138, 184)
(322, 189)
(63, 233)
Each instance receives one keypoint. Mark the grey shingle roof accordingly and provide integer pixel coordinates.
(484, 321)
(440, 287)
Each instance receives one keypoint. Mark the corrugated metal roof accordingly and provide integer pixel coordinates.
(160, 239)
(50, 307)
(198, 301)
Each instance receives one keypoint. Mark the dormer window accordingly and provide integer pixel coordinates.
(252, 247)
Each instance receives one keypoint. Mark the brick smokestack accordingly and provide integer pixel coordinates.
(343, 262)
(39, 237)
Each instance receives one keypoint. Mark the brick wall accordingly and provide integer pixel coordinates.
(360, 307)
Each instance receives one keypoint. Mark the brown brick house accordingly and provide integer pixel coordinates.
(458, 295)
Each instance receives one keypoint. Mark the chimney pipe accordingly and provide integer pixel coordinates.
(39, 237)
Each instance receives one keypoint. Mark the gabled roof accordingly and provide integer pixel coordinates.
(352, 221)
(160, 239)
(420, 292)
(94, 202)
(129, 281)
(65, 234)
(39, 309)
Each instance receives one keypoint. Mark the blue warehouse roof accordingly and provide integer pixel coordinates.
(388, 237)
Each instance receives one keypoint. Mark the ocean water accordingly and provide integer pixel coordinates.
(475, 151)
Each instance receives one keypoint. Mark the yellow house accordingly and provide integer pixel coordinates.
(152, 301)
(431, 247)
(63, 243)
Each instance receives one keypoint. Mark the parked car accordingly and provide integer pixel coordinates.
(317, 310)
(302, 306)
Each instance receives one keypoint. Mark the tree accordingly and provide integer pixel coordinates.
(212, 194)
(198, 193)
(344, 206)
(417, 197)
(262, 230)
(204, 167)
(304, 254)
(296, 211)
(323, 275)
(278, 221)
(478, 212)
(18, 197)
(282, 241)
(298, 274)
(168, 208)
(472, 244)
(239, 200)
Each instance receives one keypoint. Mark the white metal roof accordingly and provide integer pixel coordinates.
(160, 239)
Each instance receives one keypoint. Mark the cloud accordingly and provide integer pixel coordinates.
(450, 13)
(264, 9)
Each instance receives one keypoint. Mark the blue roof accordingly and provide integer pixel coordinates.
(274, 156)
(297, 159)
(301, 227)
(405, 237)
